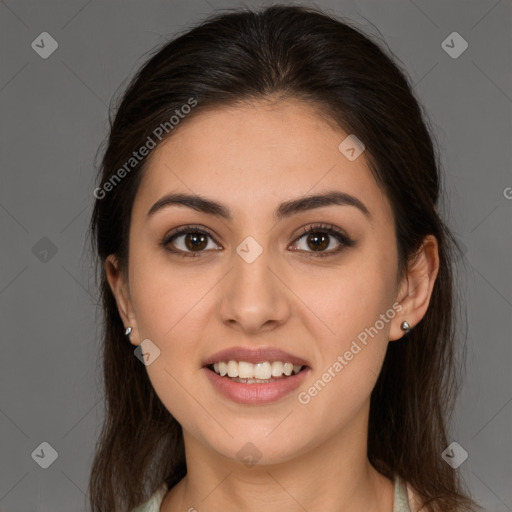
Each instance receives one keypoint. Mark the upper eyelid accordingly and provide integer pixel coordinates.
(320, 226)
(189, 229)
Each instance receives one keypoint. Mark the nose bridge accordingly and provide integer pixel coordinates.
(253, 297)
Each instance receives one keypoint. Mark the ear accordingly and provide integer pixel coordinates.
(118, 282)
(416, 287)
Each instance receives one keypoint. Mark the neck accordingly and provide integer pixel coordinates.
(334, 476)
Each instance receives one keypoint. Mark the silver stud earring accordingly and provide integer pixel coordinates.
(405, 326)
(128, 331)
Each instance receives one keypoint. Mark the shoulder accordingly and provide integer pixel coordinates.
(406, 498)
(413, 499)
(154, 502)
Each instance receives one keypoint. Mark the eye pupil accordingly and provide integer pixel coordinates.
(317, 243)
(195, 241)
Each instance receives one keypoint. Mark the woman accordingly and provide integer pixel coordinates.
(276, 278)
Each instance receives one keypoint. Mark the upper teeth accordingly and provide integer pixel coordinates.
(263, 370)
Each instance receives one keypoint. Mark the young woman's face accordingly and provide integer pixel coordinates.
(253, 279)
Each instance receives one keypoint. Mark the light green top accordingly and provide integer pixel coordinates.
(400, 503)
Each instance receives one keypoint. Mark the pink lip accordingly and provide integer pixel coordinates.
(255, 393)
(256, 355)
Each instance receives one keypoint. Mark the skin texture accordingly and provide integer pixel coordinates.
(252, 158)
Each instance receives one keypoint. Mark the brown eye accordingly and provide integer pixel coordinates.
(319, 238)
(317, 241)
(195, 241)
(188, 240)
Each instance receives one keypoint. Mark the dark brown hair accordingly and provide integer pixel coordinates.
(276, 53)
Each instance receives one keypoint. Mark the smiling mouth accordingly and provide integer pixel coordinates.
(259, 373)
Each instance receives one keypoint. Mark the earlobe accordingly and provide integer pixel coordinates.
(415, 290)
(119, 287)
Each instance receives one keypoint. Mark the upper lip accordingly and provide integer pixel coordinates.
(254, 355)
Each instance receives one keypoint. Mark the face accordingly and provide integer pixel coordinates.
(256, 278)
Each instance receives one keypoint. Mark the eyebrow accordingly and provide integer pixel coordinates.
(285, 209)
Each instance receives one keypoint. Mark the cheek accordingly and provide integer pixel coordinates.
(173, 307)
(358, 309)
(163, 292)
(169, 310)
(344, 302)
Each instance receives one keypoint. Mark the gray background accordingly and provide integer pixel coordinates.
(54, 116)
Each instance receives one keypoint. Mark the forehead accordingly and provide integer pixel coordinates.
(256, 155)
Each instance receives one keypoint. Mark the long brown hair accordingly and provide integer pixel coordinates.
(303, 53)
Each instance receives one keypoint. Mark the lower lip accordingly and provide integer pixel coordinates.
(255, 393)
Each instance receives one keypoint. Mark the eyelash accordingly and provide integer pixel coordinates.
(328, 229)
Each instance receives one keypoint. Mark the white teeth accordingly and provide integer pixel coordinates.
(223, 368)
(245, 370)
(277, 369)
(262, 371)
(232, 369)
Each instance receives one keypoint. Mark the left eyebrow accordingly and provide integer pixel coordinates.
(285, 209)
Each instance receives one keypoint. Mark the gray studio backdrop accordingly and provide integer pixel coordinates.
(61, 63)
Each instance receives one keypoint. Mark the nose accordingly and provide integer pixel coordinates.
(254, 297)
